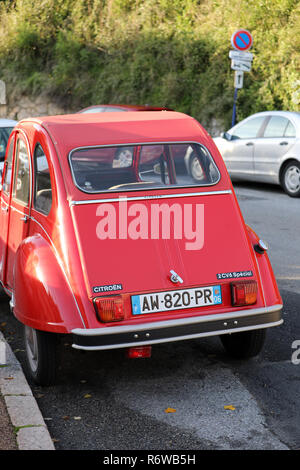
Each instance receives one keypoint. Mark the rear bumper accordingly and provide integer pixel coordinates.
(176, 330)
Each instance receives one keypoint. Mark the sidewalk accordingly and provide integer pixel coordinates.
(22, 426)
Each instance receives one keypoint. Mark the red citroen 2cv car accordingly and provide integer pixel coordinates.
(122, 230)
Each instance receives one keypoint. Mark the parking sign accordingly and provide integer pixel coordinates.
(241, 40)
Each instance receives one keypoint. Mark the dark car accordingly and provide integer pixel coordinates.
(108, 108)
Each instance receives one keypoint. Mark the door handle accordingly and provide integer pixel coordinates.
(4, 208)
(249, 144)
(25, 218)
(283, 143)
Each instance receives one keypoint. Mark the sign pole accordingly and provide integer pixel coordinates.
(234, 107)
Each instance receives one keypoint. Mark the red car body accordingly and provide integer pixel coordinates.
(65, 277)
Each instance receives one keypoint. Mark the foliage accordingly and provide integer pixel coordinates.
(160, 52)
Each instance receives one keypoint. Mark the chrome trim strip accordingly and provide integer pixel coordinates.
(154, 196)
(180, 338)
(104, 331)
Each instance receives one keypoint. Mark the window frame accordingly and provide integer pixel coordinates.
(40, 211)
(290, 123)
(20, 136)
(276, 136)
(260, 132)
(137, 144)
(5, 167)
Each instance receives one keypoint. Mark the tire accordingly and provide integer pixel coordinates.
(290, 179)
(41, 350)
(244, 345)
(195, 168)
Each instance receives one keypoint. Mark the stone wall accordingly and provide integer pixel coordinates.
(26, 107)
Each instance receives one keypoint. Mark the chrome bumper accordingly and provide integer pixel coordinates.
(176, 330)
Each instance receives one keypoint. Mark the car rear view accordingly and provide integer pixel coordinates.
(141, 241)
(175, 259)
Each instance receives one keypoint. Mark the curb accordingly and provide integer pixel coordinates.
(30, 428)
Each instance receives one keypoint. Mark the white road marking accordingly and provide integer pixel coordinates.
(199, 403)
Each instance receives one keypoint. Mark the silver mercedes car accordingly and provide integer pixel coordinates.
(265, 147)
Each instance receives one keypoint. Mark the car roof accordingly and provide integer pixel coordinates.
(81, 130)
(7, 123)
(73, 131)
(127, 107)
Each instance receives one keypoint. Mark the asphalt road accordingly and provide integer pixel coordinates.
(105, 401)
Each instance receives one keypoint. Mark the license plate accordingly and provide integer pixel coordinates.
(176, 300)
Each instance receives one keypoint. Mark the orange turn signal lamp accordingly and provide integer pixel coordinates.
(243, 293)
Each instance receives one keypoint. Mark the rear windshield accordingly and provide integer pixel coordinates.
(132, 167)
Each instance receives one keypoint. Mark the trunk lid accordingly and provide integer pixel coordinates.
(129, 246)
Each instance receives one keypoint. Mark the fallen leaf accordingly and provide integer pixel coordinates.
(170, 410)
(87, 395)
(229, 407)
(77, 418)
(66, 418)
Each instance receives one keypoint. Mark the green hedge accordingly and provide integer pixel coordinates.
(160, 52)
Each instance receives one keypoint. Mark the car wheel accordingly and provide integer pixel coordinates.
(245, 344)
(291, 179)
(195, 168)
(41, 355)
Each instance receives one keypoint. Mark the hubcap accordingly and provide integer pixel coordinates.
(31, 347)
(292, 179)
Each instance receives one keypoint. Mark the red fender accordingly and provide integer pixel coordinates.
(270, 288)
(42, 297)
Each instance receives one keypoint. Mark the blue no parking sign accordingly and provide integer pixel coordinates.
(241, 40)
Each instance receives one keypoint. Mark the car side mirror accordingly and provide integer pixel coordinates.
(226, 136)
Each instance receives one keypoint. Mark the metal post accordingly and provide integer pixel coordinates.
(234, 107)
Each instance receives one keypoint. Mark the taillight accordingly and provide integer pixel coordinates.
(243, 293)
(109, 309)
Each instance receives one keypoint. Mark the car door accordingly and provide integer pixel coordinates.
(19, 206)
(4, 204)
(278, 137)
(239, 152)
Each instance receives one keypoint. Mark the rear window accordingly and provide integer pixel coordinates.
(149, 166)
